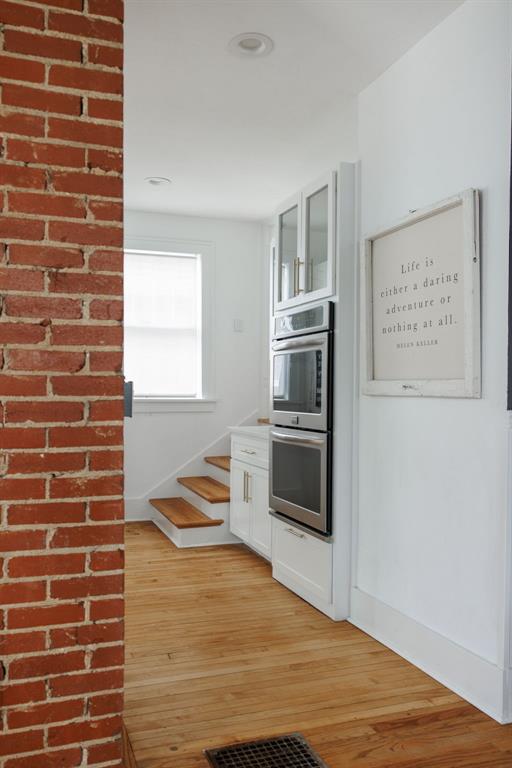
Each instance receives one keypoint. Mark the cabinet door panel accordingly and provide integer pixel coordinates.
(261, 522)
(318, 236)
(287, 277)
(239, 513)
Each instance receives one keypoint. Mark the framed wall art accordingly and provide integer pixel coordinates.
(420, 303)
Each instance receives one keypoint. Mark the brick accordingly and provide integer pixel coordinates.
(68, 282)
(46, 513)
(23, 693)
(63, 613)
(105, 55)
(19, 176)
(91, 730)
(106, 460)
(13, 437)
(108, 509)
(22, 642)
(22, 592)
(21, 741)
(112, 8)
(81, 586)
(73, 5)
(105, 109)
(43, 100)
(46, 565)
(85, 132)
(21, 488)
(99, 753)
(86, 79)
(47, 664)
(41, 307)
(106, 310)
(78, 487)
(96, 634)
(103, 260)
(63, 437)
(45, 154)
(91, 335)
(58, 758)
(105, 160)
(111, 560)
(12, 68)
(20, 412)
(86, 234)
(87, 183)
(47, 205)
(45, 360)
(21, 333)
(106, 361)
(13, 541)
(82, 26)
(21, 124)
(47, 46)
(105, 704)
(88, 385)
(68, 685)
(12, 228)
(106, 609)
(21, 279)
(35, 463)
(22, 386)
(86, 536)
(51, 712)
(21, 15)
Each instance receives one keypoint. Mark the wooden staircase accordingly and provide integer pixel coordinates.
(202, 516)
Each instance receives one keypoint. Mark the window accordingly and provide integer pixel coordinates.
(163, 353)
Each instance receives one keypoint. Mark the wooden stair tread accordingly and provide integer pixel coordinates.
(182, 514)
(207, 488)
(223, 462)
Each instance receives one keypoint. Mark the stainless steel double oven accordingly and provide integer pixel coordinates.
(300, 438)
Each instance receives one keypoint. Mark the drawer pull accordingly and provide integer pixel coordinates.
(295, 533)
(246, 450)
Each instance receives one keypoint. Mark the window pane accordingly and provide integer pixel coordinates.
(162, 324)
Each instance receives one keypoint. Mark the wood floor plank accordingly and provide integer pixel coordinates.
(218, 652)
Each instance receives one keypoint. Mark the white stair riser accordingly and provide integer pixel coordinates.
(195, 537)
(214, 511)
(217, 473)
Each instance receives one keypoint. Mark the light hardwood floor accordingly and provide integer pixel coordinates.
(217, 652)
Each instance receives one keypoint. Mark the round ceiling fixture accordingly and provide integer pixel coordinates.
(251, 44)
(157, 181)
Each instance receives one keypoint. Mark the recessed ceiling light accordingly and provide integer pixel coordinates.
(251, 44)
(157, 181)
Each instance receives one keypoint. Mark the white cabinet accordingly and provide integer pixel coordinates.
(303, 563)
(249, 515)
(304, 253)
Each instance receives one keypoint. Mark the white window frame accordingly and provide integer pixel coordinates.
(206, 251)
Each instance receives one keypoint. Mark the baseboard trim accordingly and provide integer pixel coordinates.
(472, 677)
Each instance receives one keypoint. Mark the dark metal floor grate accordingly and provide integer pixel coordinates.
(290, 751)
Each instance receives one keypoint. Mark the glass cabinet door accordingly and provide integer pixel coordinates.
(287, 254)
(318, 237)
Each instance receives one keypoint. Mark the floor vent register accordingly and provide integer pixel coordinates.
(290, 751)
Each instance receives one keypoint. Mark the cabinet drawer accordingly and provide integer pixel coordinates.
(250, 451)
(301, 560)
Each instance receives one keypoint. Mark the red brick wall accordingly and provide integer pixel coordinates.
(61, 527)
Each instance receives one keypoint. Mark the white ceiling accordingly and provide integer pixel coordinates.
(238, 135)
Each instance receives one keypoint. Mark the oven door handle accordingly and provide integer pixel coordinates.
(293, 439)
(294, 344)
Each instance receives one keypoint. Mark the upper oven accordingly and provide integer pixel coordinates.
(302, 368)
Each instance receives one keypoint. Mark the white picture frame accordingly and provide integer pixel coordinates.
(413, 360)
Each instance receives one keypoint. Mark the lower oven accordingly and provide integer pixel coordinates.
(300, 477)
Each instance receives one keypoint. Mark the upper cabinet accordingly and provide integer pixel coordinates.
(305, 245)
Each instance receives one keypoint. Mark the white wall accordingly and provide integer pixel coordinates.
(431, 527)
(157, 445)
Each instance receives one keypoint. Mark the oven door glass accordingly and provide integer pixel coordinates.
(300, 480)
(300, 382)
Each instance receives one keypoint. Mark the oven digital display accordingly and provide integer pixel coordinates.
(300, 321)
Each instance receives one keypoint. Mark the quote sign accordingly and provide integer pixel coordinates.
(418, 300)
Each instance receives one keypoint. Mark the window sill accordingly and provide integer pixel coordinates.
(173, 405)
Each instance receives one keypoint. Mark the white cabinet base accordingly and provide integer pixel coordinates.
(303, 563)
